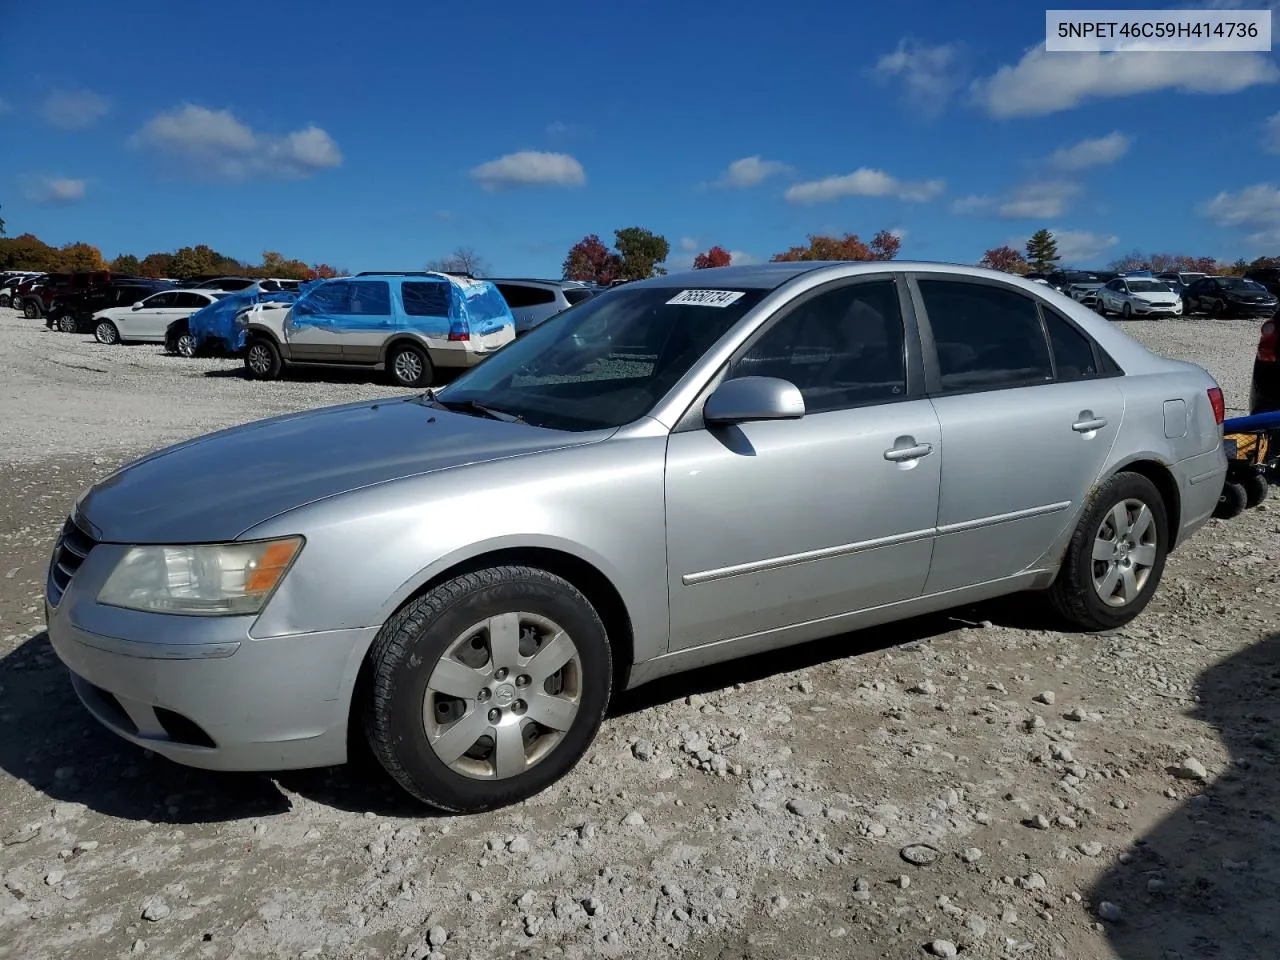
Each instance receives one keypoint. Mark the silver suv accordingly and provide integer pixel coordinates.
(534, 301)
(404, 324)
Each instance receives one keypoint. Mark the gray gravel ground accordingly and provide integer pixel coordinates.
(964, 785)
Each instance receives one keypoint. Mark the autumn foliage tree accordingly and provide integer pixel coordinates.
(715, 257)
(883, 246)
(1006, 259)
(590, 261)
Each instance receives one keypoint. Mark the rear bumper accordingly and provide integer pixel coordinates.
(461, 353)
(1200, 480)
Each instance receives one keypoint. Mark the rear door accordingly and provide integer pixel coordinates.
(341, 321)
(1028, 409)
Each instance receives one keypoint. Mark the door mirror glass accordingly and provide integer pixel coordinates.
(753, 398)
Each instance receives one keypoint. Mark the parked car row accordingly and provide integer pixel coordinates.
(1141, 294)
(408, 325)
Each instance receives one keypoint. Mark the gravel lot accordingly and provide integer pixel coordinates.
(965, 783)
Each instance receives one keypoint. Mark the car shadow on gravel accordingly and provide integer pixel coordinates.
(334, 375)
(51, 742)
(1202, 885)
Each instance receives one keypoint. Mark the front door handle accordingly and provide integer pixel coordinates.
(1088, 423)
(913, 452)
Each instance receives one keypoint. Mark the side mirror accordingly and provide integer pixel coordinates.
(138, 305)
(753, 398)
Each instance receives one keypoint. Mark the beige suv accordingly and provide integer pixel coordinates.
(406, 325)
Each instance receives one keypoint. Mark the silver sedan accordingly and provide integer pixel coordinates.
(674, 473)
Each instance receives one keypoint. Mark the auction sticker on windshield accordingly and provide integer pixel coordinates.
(708, 298)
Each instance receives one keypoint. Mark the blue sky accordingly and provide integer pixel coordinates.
(382, 136)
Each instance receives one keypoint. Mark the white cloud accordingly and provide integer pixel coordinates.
(217, 143)
(1042, 83)
(74, 109)
(1091, 153)
(529, 168)
(929, 75)
(1271, 139)
(973, 203)
(899, 232)
(864, 182)
(688, 243)
(1075, 247)
(1255, 209)
(56, 190)
(750, 171)
(740, 258)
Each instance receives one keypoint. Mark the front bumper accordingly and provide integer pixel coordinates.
(202, 691)
(1142, 309)
(1250, 310)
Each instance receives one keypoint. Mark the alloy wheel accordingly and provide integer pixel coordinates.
(502, 696)
(1124, 551)
(407, 367)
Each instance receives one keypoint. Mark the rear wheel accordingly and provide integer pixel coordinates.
(106, 332)
(1116, 556)
(30, 311)
(487, 689)
(409, 366)
(262, 360)
(6, 301)
(67, 324)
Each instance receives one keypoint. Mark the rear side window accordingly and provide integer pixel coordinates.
(576, 294)
(192, 300)
(423, 299)
(517, 295)
(986, 337)
(370, 298)
(1072, 350)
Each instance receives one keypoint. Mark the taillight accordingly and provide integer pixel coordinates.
(1267, 345)
(1219, 405)
(455, 336)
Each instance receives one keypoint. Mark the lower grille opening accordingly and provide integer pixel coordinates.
(107, 704)
(182, 730)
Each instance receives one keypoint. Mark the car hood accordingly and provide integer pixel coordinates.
(1156, 297)
(215, 487)
(1252, 296)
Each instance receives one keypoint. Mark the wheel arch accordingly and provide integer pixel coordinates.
(1157, 470)
(402, 339)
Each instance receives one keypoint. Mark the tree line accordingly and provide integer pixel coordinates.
(1041, 256)
(638, 254)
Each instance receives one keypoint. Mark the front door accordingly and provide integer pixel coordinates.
(1028, 418)
(780, 523)
(150, 318)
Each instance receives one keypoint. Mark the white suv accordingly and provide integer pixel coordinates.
(534, 301)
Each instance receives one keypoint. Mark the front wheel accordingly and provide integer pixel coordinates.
(1126, 312)
(106, 332)
(6, 301)
(67, 324)
(1116, 556)
(262, 360)
(409, 366)
(487, 689)
(30, 311)
(186, 345)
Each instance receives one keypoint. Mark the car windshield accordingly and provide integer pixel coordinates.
(1236, 283)
(604, 362)
(1149, 286)
(1190, 277)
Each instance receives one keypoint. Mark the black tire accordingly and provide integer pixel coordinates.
(1232, 501)
(262, 360)
(1256, 489)
(409, 366)
(30, 310)
(105, 332)
(1126, 312)
(6, 301)
(1218, 310)
(1187, 309)
(1100, 307)
(413, 642)
(1073, 596)
(67, 324)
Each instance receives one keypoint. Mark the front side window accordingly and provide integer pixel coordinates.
(986, 336)
(842, 348)
(606, 362)
(160, 300)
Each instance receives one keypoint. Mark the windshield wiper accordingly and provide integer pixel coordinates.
(475, 406)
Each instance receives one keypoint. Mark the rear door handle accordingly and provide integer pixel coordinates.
(1088, 426)
(899, 454)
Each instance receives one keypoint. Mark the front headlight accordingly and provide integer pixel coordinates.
(214, 580)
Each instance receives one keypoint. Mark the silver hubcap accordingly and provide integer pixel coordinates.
(187, 345)
(1124, 551)
(106, 334)
(407, 366)
(502, 696)
(259, 360)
